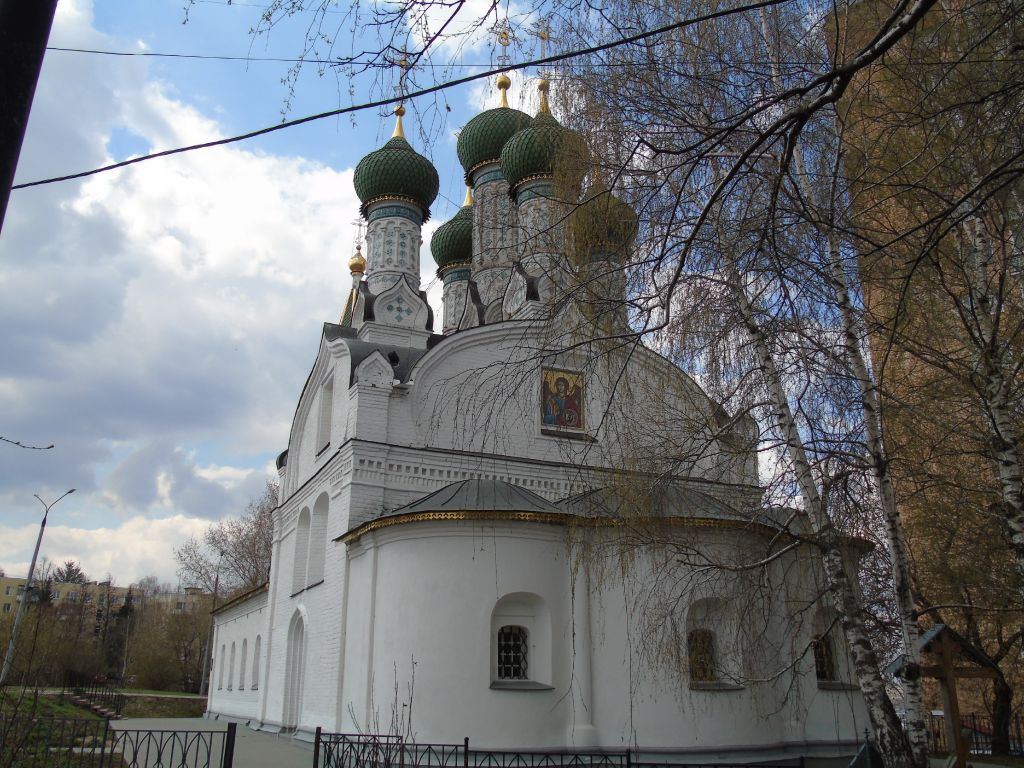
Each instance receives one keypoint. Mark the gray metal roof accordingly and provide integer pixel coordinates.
(402, 359)
(663, 500)
(478, 495)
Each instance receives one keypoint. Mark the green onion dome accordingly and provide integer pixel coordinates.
(482, 138)
(602, 224)
(544, 149)
(396, 170)
(452, 243)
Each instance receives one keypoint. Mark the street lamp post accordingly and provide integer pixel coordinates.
(204, 685)
(9, 658)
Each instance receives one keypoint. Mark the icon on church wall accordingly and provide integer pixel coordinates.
(562, 399)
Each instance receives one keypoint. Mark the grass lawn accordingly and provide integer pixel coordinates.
(164, 706)
(150, 692)
(23, 701)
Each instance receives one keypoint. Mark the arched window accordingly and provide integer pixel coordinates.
(241, 667)
(700, 654)
(323, 427)
(295, 672)
(513, 653)
(713, 648)
(231, 669)
(317, 541)
(220, 667)
(301, 550)
(829, 665)
(256, 663)
(521, 645)
(824, 658)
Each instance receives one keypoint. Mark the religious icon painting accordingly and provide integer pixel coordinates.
(562, 399)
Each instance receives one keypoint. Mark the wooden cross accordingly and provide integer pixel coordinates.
(947, 647)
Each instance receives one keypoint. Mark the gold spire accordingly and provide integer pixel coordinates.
(399, 133)
(357, 264)
(469, 197)
(503, 86)
(544, 86)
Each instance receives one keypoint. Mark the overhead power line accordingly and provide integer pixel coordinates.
(219, 57)
(412, 94)
(456, 65)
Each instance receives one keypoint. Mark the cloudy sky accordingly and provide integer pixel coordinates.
(160, 320)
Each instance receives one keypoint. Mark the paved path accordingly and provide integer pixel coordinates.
(253, 749)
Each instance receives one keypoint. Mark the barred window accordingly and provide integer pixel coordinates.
(512, 647)
(700, 649)
(824, 659)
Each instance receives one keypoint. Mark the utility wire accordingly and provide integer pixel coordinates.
(412, 94)
(453, 65)
(218, 57)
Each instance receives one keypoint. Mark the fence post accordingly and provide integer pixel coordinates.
(465, 752)
(316, 748)
(103, 743)
(229, 746)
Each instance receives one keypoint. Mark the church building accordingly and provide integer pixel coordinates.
(515, 523)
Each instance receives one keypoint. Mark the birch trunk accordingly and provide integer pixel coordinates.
(917, 731)
(878, 459)
(994, 389)
(889, 734)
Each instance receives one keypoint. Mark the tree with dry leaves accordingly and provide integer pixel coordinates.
(234, 554)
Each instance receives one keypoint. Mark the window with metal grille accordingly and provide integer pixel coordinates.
(512, 647)
(700, 647)
(824, 659)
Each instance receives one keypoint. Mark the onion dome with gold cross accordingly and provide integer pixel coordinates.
(482, 138)
(544, 149)
(452, 243)
(602, 226)
(396, 172)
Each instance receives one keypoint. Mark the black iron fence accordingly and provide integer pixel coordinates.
(346, 750)
(977, 730)
(42, 742)
(101, 697)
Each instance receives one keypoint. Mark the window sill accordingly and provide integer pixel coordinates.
(835, 685)
(519, 685)
(567, 435)
(716, 686)
(322, 451)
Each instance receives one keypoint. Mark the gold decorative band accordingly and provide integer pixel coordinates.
(550, 518)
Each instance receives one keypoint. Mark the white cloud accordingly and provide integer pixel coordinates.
(138, 547)
(153, 315)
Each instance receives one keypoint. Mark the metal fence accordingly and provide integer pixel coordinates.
(346, 750)
(40, 742)
(977, 730)
(98, 696)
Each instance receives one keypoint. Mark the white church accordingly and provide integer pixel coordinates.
(527, 530)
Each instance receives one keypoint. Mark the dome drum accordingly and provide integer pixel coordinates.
(454, 273)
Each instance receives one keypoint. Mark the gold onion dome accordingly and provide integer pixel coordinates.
(602, 226)
(397, 171)
(357, 264)
(452, 243)
(545, 148)
(482, 138)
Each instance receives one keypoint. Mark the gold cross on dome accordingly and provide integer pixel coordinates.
(542, 31)
(505, 37)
